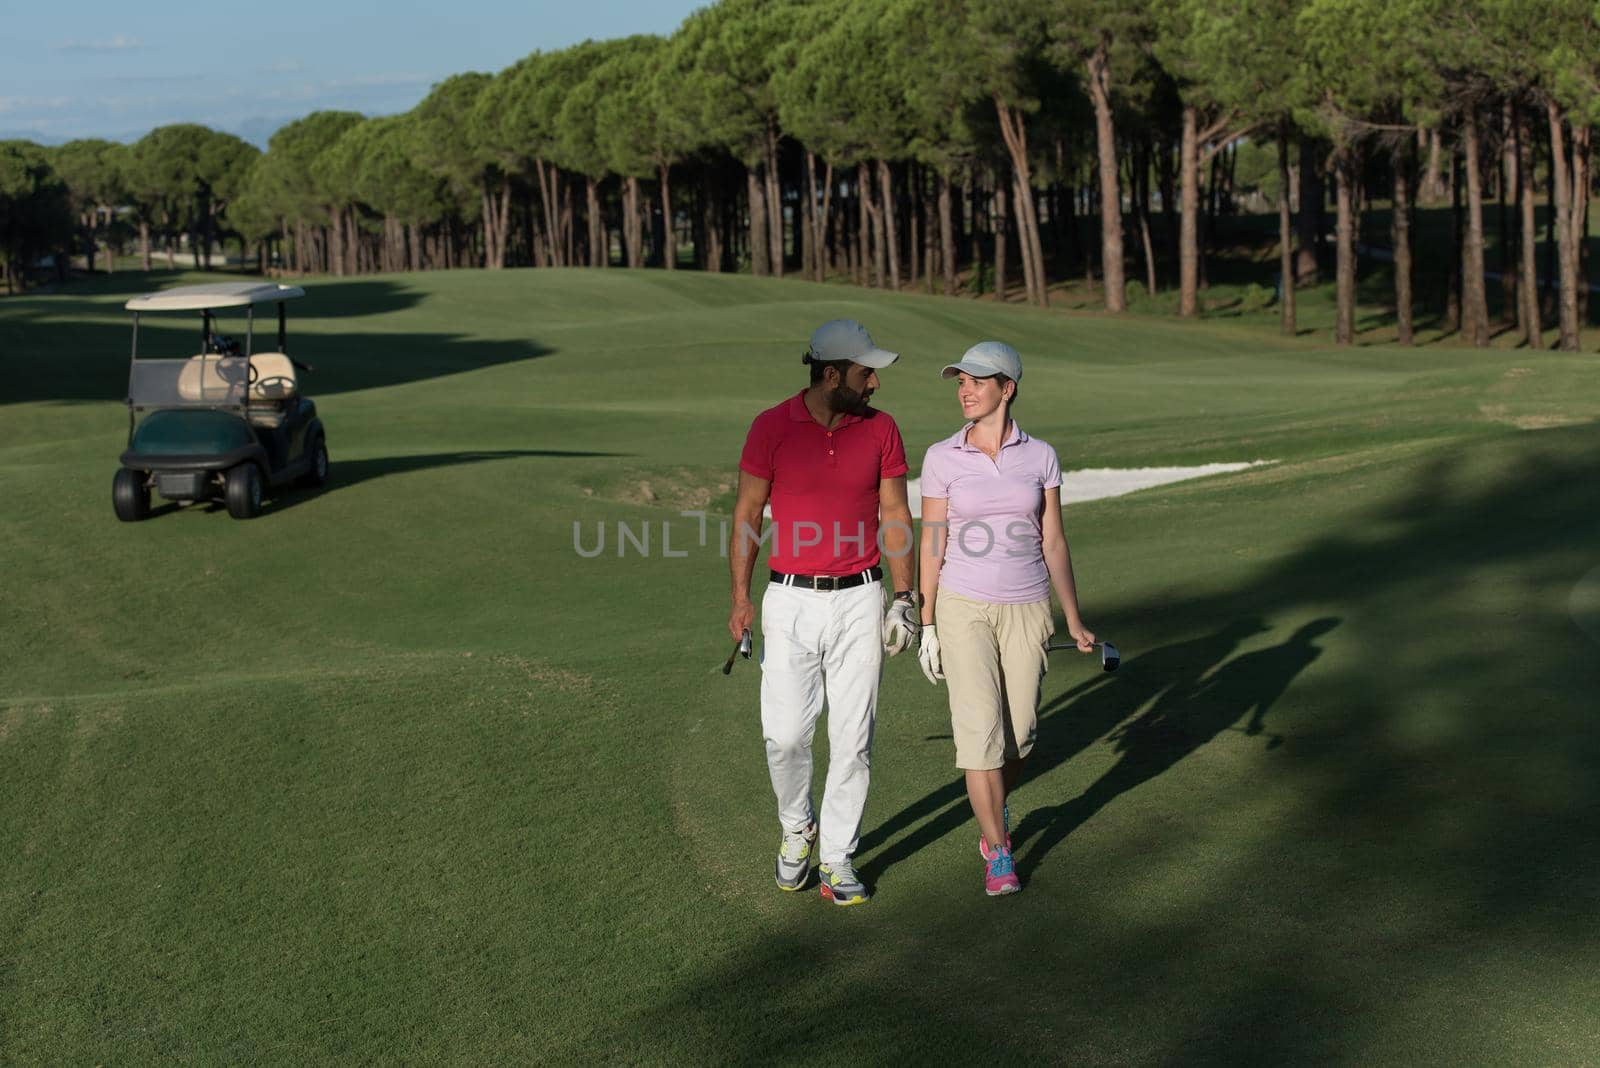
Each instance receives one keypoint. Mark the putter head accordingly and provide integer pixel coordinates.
(744, 644)
(1109, 657)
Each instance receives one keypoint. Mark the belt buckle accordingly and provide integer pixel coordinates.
(825, 584)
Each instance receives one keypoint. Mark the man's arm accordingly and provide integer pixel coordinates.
(895, 531)
(743, 547)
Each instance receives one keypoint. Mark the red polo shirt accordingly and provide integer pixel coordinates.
(824, 485)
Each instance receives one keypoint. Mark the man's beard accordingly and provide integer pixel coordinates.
(847, 401)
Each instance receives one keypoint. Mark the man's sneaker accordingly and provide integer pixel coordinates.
(1005, 821)
(794, 857)
(1000, 874)
(841, 885)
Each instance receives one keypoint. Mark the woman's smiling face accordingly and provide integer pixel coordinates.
(978, 396)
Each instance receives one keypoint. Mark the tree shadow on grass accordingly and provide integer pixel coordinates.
(65, 349)
(1431, 842)
(343, 475)
(1189, 713)
(348, 473)
(1068, 725)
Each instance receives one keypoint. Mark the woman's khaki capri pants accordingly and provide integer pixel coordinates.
(994, 658)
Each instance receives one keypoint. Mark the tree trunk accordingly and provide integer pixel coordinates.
(774, 200)
(1032, 242)
(1511, 301)
(1286, 284)
(913, 222)
(669, 245)
(547, 207)
(824, 217)
(813, 253)
(1002, 223)
(632, 229)
(1307, 266)
(1110, 199)
(1452, 305)
(144, 243)
(1030, 280)
(1582, 238)
(1572, 187)
(760, 250)
(1530, 315)
(947, 236)
(1344, 330)
(1433, 183)
(1189, 228)
(1014, 130)
(890, 232)
(336, 240)
(1400, 228)
(594, 224)
(1474, 299)
(712, 224)
(864, 223)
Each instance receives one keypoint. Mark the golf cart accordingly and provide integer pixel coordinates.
(222, 424)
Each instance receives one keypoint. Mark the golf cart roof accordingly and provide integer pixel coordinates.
(214, 295)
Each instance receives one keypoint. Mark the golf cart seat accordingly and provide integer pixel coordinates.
(208, 378)
(272, 385)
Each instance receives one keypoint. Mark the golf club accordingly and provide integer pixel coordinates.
(740, 648)
(1109, 657)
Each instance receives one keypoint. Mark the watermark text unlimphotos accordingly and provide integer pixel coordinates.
(893, 538)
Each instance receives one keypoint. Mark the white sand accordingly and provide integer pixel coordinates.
(1096, 483)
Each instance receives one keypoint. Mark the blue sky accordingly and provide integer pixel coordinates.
(114, 69)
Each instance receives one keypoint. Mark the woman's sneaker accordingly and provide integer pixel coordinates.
(841, 885)
(1000, 874)
(794, 857)
(1005, 821)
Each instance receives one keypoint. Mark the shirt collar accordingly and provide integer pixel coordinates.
(799, 413)
(1017, 437)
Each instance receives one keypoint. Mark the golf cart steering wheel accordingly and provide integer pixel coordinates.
(284, 382)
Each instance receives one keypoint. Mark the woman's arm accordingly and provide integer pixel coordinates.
(935, 516)
(1058, 559)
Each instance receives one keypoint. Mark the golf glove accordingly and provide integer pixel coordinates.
(900, 624)
(928, 655)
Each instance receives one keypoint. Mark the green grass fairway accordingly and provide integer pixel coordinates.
(392, 774)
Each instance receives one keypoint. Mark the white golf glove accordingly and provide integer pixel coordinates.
(928, 655)
(900, 624)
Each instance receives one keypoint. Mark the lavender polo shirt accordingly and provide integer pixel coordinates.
(994, 549)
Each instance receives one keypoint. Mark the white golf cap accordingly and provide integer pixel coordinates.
(846, 339)
(988, 358)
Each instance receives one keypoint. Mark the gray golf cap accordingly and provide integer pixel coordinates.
(846, 339)
(988, 358)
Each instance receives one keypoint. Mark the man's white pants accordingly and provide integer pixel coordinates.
(820, 646)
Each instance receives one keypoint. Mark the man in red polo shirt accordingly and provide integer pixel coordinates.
(830, 466)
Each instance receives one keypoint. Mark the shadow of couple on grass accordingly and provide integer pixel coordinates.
(1160, 707)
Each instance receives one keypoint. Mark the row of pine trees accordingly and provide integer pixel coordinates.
(961, 146)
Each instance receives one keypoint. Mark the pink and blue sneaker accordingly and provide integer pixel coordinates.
(1000, 873)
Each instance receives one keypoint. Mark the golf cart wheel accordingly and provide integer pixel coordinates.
(244, 491)
(130, 496)
(317, 475)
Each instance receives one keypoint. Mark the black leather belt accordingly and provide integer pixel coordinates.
(828, 583)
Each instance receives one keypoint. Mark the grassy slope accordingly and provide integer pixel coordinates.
(391, 772)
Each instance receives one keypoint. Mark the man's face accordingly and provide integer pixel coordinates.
(854, 390)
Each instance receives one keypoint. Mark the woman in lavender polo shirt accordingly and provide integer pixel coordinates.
(992, 550)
